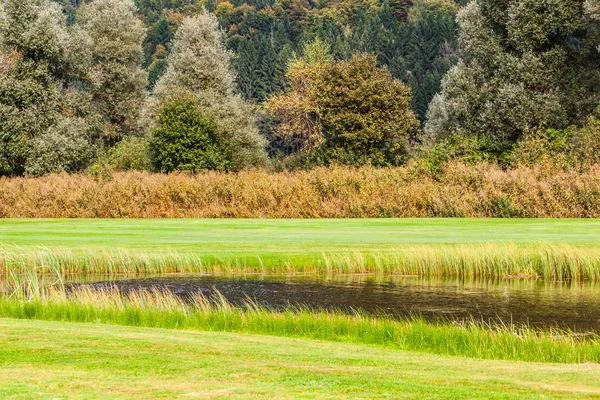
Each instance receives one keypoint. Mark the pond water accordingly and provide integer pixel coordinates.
(545, 304)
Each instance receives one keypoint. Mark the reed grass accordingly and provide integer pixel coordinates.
(162, 309)
(546, 261)
(336, 192)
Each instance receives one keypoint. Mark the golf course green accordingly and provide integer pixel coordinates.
(90, 343)
(266, 236)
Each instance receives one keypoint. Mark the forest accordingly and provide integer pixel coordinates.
(190, 85)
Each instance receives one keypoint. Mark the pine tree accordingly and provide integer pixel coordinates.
(159, 34)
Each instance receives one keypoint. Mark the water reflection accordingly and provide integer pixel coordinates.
(573, 305)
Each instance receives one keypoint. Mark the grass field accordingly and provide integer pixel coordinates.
(553, 249)
(161, 309)
(50, 360)
(267, 236)
(97, 344)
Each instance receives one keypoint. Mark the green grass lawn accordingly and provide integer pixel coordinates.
(282, 236)
(45, 359)
(553, 249)
(51, 360)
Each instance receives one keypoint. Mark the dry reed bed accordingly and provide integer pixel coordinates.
(337, 192)
(551, 262)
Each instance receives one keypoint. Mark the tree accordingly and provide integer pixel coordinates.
(160, 35)
(524, 64)
(117, 80)
(199, 66)
(348, 112)
(184, 138)
(33, 64)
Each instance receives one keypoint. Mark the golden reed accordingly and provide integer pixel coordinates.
(336, 192)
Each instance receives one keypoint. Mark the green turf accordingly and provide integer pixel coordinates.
(51, 360)
(551, 249)
(281, 236)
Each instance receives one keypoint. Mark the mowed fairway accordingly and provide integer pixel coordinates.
(550, 249)
(265, 236)
(50, 360)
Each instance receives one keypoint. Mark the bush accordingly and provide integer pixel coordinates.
(547, 146)
(585, 145)
(130, 154)
(464, 149)
(185, 138)
(66, 147)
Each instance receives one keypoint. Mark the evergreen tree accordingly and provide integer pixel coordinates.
(159, 34)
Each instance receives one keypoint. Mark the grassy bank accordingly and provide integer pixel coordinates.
(410, 191)
(551, 249)
(161, 309)
(64, 360)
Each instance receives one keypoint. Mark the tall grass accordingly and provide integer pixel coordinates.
(409, 191)
(548, 261)
(162, 309)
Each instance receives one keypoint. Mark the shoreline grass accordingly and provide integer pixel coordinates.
(483, 248)
(52, 360)
(162, 309)
(543, 260)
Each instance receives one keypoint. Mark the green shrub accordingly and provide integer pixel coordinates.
(65, 147)
(585, 145)
(130, 154)
(541, 146)
(185, 138)
(466, 149)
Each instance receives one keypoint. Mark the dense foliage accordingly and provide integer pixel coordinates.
(346, 112)
(521, 81)
(525, 64)
(35, 100)
(116, 77)
(186, 139)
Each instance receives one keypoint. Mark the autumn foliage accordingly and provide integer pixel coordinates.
(349, 112)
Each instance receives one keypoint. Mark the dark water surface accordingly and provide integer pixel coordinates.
(540, 303)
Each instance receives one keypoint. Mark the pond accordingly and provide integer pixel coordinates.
(542, 304)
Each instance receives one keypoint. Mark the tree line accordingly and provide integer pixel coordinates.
(195, 85)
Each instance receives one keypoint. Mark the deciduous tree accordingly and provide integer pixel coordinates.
(349, 112)
(116, 75)
(524, 64)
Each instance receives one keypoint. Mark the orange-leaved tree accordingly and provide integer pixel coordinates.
(347, 112)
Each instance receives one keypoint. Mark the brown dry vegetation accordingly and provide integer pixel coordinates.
(337, 192)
